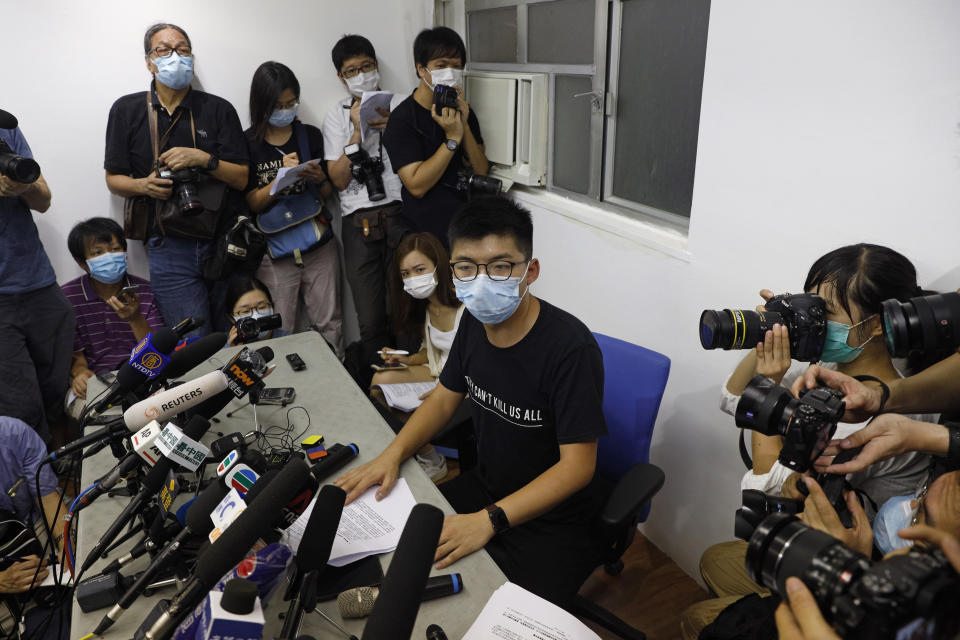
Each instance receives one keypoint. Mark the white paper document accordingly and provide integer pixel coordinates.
(405, 396)
(287, 176)
(367, 527)
(368, 110)
(513, 613)
(49, 581)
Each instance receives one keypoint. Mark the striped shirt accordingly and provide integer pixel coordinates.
(104, 338)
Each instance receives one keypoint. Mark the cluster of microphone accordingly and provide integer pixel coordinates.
(149, 443)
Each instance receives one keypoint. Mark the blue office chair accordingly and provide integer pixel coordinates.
(634, 380)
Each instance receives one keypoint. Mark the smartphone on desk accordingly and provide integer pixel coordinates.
(278, 395)
(388, 367)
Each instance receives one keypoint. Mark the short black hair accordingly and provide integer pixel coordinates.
(493, 216)
(351, 46)
(439, 42)
(241, 285)
(93, 230)
(269, 81)
(157, 28)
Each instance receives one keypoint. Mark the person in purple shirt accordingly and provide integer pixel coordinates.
(36, 322)
(111, 319)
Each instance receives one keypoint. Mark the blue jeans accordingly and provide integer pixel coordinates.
(176, 276)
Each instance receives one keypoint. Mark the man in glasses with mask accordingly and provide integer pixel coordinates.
(429, 149)
(179, 157)
(534, 375)
(368, 232)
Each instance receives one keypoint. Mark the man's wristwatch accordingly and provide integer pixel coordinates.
(213, 163)
(498, 519)
(452, 144)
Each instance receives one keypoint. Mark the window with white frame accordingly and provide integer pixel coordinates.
(625, 82)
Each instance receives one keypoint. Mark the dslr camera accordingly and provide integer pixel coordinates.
(16, 167)
(249, 328)
(186, 189)
(366, 170)
(913, 595)
(925, 324)
(444, 96)
(475, 185)
(804, 315)
(806, 423)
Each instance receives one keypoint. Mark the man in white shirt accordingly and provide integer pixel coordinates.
(369, 189)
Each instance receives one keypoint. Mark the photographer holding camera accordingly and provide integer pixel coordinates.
(369, 189)
(179, 158)
(853, 281)
(36, 321)
(432, 146)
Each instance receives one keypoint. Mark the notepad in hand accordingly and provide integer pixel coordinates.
(405, 396)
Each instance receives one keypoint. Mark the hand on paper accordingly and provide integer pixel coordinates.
(462, 534)
(382, 470)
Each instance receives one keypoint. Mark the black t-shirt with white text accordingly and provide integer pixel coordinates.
(266, 159)
(530, 398)
(412, 136)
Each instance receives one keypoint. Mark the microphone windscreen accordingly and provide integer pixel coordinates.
(214, 405)
(256, 520)
(198, 515)
(357, 602)
(321, 529)
(266, 353)
(239, 596)
(163, 341)
(194, 354)
(196, 427)
(260, 485)
(401, 591)
(156, 476)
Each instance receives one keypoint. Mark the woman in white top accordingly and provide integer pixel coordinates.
(423, 301)
(854, 281)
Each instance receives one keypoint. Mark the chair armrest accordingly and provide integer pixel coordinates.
(634, 490)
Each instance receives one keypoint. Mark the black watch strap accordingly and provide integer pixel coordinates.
(213, 163)
(498, 518)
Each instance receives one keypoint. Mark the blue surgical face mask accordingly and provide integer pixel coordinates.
(490, 301)
(174, 71)
(894, 515)
(282, 117)
(108, 267)
(835, 347)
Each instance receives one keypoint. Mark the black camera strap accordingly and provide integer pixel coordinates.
(744, 454)
(884, 389)
(157, 143)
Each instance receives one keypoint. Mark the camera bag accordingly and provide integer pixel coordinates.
(294, 224)
(238, 249)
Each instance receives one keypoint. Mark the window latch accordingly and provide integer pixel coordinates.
(596, 99)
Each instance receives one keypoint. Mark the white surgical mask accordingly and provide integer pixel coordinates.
(450, 77)
(421, 286)
(363, 82)
(894, 515)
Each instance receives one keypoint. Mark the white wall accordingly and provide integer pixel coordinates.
(822, 124)
(66, 62)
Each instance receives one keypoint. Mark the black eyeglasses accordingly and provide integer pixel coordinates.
(467, 270)
(366, 67)
(163, 51)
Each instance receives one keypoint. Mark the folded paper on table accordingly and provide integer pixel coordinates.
(513, 613)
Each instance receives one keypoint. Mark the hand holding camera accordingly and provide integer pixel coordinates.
(447, 112)
(177, 158)
(156, 187)
(11, 188)
(819, 514)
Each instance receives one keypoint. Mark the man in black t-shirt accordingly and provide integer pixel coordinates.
(534, 375)
(195, 132)
(429, 150)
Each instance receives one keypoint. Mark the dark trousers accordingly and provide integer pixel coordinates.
(549, 558)
(368, 264)
(36, 344)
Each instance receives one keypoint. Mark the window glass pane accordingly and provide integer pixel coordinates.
(571, 133)
(492, 35)
(662, 51)
(560, 32)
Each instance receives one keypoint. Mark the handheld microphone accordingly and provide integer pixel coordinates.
(108, 481)
(338, 456)
(192, 355)
(395, 609)
(146, 362)
(151, 485)
(7, 120)
(188, 324)
(167, 404)
(234, 613)
(435, 632)
(358, 602)
(144, 442)
(198, 524)
(231, 547)
(312, 556)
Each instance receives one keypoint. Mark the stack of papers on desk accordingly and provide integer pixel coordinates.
(367, 527)
(513, 613)
(405, 396)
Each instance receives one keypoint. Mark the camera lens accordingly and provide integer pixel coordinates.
(735, 328)
(765, 407)
(188, 199)
(374, 184)
(18, 168)
(926, 323)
